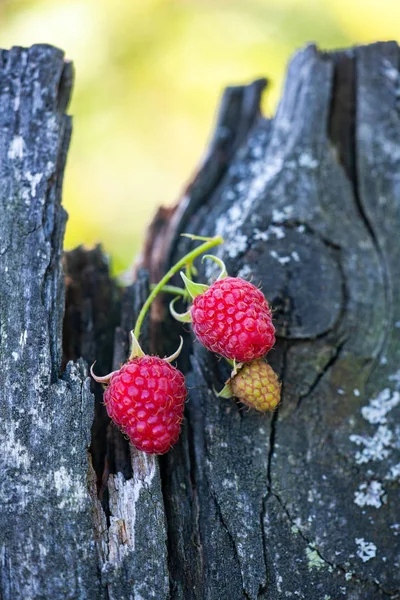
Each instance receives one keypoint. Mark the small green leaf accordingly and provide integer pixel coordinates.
(194, 289)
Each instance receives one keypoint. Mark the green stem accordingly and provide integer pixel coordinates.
(215, 241)
(188, 270)
(171, 289)
(234, 365)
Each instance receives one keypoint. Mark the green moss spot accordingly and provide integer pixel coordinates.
(314, 560)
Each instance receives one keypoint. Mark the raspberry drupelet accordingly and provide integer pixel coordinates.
(232, 318)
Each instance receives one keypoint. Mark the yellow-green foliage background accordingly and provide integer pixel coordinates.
(149, 74)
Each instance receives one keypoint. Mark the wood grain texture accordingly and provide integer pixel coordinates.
(304, 502)
(46, 539)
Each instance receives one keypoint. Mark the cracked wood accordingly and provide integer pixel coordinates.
(309, 208)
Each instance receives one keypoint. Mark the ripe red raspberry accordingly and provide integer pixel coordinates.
(146, 398)
(257, 385)
(233, 318)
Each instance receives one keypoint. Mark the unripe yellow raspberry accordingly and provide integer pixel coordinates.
(257, 385)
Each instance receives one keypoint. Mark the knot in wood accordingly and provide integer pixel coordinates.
(300, 274)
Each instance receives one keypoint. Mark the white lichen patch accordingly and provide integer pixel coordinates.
(228, 226)
(378, 446)
(395, 528)
(245, 272)
(70, 489)
(34, 180)
(260, 235)
(283, 260)
(74, 373)
(374, 448)
(379, 407)
(16, 149)
(23, 337)
(396, 378)
(369, 494)
(236, 245)
(278, 216)
(62, 480)
(389, 70)
(394, 473)
(14, 453)
(295, 256)
(366, 550)
(243, 194)
(306, 160)
(273, 230)
(294, 529)
(314, 560)
(40, 381)
(228, 484)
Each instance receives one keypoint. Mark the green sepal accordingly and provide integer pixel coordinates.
(185, 317)
(136, 350)
(175, 355)
(226, 391)
(220, 263)
(194, 289)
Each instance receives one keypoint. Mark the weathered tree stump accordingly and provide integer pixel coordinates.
(302, 503)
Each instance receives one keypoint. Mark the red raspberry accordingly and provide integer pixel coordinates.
(146, 398)
(233, 318)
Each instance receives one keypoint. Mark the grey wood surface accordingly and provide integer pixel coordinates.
(47, 545)
(303, 503)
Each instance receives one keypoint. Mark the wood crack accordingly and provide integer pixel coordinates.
(327, 367)
(342, 131)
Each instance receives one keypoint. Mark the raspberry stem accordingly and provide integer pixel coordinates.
(171, 289)
(187, 259)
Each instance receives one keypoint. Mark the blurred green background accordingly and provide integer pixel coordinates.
(149, 74)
